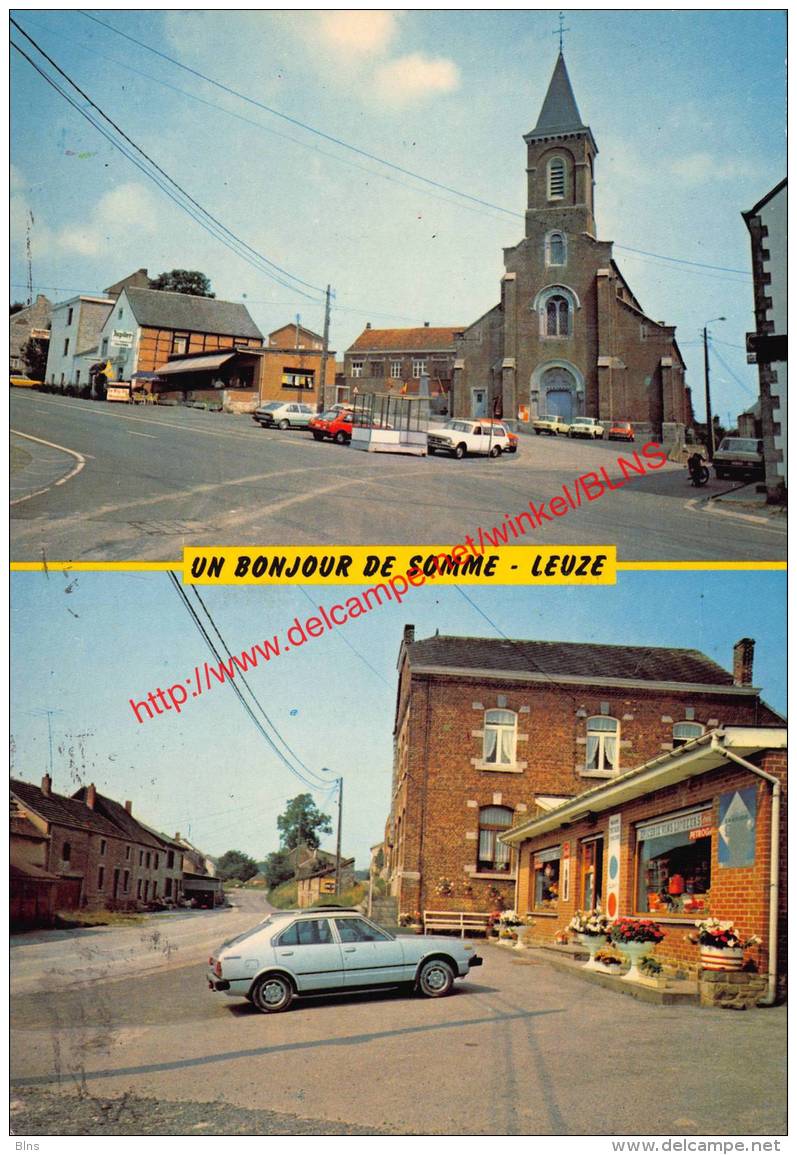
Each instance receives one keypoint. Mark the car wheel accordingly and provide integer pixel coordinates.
(284, 424)
(272, 994)
(436, 978)
(512, 449)
(537, 432)
(318, 436)
(431, 451)
(460, 450)
(340, 438)
(721, 474)
(495, 451)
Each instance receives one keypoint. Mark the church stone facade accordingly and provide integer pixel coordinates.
(568, 335)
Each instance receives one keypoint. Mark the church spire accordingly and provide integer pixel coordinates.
(559, 113)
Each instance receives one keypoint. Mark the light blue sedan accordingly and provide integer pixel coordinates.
(296, 953)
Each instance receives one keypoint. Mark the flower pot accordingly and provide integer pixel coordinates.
(593, 943)
(721, 958)
(634, 951)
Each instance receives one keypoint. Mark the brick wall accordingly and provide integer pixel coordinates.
(438, 791)
(740, 894)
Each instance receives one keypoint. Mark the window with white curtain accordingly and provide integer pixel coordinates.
(500, 737)
(494, 855)
(603, 744)
(683, 732)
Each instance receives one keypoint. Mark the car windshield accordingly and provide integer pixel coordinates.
(272, 405)
(622, 424)
(330, 415)
(583, 420)
(739, 445)
(548, 417)
(459, 426)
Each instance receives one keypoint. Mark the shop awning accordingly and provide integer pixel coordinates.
(194, 364)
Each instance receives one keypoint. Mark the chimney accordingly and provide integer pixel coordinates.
(177, 836)
(129, 807)
(368, 324)
(409, 635)
(743, 662)
(91, 796)
(47, 785)
(426, 324)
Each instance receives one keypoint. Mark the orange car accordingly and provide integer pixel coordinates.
(621, 431)
(514, 440)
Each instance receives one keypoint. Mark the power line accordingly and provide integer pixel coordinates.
(742, 385)
(216, 229)
(242, 677)
(343, 638)
(236, 690)
(372, 156)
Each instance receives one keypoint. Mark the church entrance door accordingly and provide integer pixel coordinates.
(559, 392)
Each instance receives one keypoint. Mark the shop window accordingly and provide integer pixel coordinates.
(674, 864)
(494, 855)
(683, 732)
(603, 744)
(500, 737)
(546, 863)
(591, 874)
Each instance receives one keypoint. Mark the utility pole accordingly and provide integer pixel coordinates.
(340, 820)
(322, 387)
(709, 416)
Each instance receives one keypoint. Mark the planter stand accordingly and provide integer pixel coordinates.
(721, 958)
(634, 952)
(593, 943)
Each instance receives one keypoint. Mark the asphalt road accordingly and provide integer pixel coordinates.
(157, 479)
(518, 1049)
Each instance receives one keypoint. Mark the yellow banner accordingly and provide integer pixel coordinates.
(414, 565)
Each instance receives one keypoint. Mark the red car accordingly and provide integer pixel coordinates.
(334, 424)
(514, 440)
(621, 431)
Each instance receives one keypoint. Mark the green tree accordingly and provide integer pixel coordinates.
(188, 281)
(236, 864)
(277, 868)
(34, 354)
(302, 822)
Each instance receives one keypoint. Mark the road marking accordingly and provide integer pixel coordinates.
(81, 461)
(698, 505)
(135, 433)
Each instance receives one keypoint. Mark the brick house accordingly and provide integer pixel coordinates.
(395, 360)
(568, 335)
(490, 732)
(32, 321)
(289, 367)
(685, 836)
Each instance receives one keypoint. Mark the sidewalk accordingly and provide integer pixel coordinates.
(36, 466)
(747, 499)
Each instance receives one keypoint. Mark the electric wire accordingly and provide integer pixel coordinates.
(320, 784)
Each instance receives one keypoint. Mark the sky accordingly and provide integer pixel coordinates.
(83, 645)
(687, 107)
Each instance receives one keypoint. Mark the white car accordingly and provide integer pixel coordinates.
(549, 423)
(284, 414)
(585, 427)
(462, 437)
(295, 953)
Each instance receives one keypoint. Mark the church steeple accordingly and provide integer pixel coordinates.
(561, 153)
(559, 111)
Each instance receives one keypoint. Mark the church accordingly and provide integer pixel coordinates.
(568, 336)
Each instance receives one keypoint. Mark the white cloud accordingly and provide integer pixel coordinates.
(415, 77)
(126, 208)
(698, 168)
(358, 31)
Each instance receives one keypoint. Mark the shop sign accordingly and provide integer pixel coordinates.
(613, 866)
(122, 338)
(564, 872)
(701, 832)
(737, 824)
(677, 825)
(550, 855)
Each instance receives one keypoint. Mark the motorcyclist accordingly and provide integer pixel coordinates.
(695, 464)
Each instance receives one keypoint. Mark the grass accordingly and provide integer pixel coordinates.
(70, 919)
(286, 896)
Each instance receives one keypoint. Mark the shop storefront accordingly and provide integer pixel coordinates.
(697, 833)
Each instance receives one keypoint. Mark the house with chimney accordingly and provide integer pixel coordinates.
(395, 361)
(99, 854)
(512, 757)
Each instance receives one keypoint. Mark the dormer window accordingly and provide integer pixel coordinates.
(556, 179)
(603, 745)
(555, 249)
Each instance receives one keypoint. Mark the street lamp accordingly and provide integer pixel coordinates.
(709, 417)
(339, 782)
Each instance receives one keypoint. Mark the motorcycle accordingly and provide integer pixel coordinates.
(698, 472)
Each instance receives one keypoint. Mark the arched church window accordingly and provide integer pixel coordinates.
(556, 178)
(557, 317)
(556, 249)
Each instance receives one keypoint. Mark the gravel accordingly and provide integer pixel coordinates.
(35, 1112)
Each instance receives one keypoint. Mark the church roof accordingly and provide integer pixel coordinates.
(559, 111)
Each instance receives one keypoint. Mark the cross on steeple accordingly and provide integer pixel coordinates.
(560, 32)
